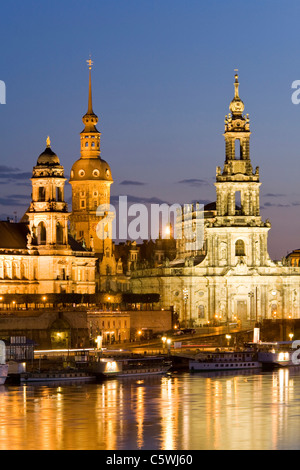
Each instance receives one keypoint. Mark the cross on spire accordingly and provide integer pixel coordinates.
(90, 63)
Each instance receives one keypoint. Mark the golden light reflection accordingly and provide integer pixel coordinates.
(169, 413)
(140, 416)
(221, 412)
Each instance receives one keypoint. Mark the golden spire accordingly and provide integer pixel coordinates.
(90, 104)
(48, 142)
(236, 106)
(236, 84)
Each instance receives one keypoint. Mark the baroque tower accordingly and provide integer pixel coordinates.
(48, 215)
(237, 236)
(91, 180)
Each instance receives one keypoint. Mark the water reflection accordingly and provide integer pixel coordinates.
(220, 411)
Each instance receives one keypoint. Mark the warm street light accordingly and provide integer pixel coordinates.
(169, 341)
(228, 337)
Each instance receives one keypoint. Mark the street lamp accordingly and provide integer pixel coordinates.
(169, 345)
(228, 337)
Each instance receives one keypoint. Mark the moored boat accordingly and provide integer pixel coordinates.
(225, 361)
(55, 376)
(278, 354)
(127, 367)
(3, 365)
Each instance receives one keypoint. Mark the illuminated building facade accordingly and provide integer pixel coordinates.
(37, 255)
(232, 276)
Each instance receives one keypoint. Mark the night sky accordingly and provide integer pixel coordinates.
(162, 82)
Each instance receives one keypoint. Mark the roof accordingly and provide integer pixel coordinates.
(13, 236)
(75, 245)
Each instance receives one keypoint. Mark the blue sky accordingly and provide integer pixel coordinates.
(162, 83)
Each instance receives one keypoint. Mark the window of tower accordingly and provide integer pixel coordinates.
(239, 248)
(86, 144)
(59, 194)
(42, 236)
(42, 194)
(238, 202)
(237, 149)
(59, 234)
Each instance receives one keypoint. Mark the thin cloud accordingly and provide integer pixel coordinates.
(274, 195)
(270, 204)
(15, 200)
(132, 183)
(137, 200)
(194, 182)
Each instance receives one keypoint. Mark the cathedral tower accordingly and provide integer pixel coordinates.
(238, 236)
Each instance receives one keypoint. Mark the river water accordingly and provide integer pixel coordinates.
(177, 412)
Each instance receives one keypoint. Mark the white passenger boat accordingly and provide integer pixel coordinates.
(225, 361)
(3, 365)
(128, 367)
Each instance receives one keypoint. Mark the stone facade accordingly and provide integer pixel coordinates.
(232, 277)
(37, 255)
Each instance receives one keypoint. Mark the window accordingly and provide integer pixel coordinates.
(42, 194)
(238, 201)
(59, 234)
(59, 194)
(201, 311)
(42, 236)
(239, 248)
(237, 149)
(82, 204)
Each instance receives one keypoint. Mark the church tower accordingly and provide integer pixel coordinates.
(47, 214)
(237, 236)
(91, 180)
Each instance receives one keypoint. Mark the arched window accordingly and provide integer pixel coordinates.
(15, 270)
(201, 311)
(42, 236)
(239, 248)
(7, 270)
(59, 234)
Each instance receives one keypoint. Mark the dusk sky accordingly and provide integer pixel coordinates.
(162, 82)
